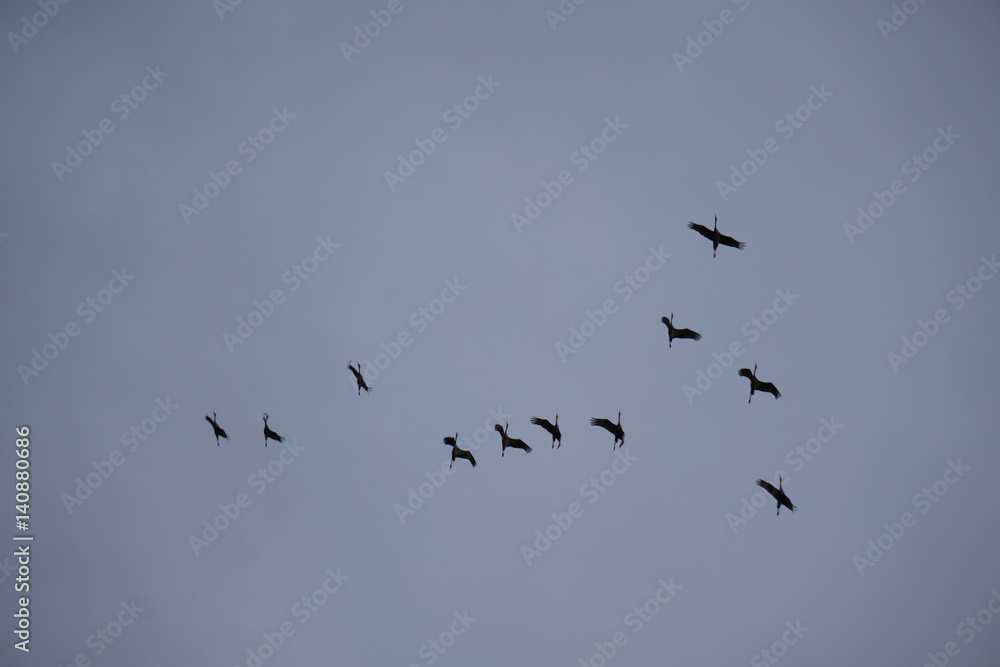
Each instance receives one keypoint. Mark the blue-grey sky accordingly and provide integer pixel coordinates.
(213, 207)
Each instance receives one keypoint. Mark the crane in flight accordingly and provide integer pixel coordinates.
(615, 429)
(673, 332)
(506, 441)
(778, 494)
(358, 378)
(268, 433)
(758, 385)
(219, 432)
(457, 452)
(715, 237)
(552, 428)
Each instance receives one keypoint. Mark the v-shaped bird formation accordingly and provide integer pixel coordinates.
(615, 428)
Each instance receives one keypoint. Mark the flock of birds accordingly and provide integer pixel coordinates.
(615, 428)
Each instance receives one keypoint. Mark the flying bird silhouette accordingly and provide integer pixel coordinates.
(457, 452)
(616, 429)
(715, 237)
(758, 385)
(360, 380)
(550, 427)
(268, 433)
(215, 426)
(506, 441)
(673, 332)
(778, 494)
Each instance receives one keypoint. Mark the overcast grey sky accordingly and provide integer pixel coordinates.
(213, 208)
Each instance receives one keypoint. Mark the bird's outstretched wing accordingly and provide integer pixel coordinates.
(519, 444)
(450, 441)
(731, 242)
(603, 423)
(544, 423)
(769, 388)
(687, 333)
(702, 229)
(747, 373)
(767, 486)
